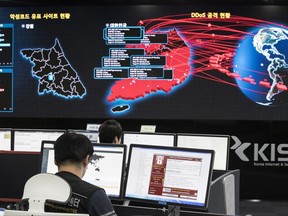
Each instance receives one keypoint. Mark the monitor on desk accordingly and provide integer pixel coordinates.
(161, 139)
(106, 168)
(47, 164)
(92, 135)
(169, 176)
(219, 143)
(30, 139)
(16, 168)
(5, 139)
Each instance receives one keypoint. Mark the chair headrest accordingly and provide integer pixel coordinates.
(46, 186)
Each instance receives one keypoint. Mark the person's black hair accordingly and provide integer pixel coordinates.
(108, 130)
(73, 147)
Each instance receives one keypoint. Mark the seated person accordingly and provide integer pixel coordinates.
(110, 131)
(72, 155)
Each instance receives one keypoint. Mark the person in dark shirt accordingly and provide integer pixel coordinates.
(110, 131)
(72, 154)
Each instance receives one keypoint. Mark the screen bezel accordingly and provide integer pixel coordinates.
(109, 145)
(227, 147)
(167, 203)
(30, 130)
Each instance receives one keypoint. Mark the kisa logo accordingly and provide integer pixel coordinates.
(266, 152)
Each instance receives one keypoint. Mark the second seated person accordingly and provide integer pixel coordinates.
(110, 131)
(72, 154)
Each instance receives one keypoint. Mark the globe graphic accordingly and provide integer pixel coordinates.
(261, 63)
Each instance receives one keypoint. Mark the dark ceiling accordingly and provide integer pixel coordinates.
(137, 2)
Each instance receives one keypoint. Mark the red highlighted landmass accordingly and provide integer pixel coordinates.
(177, 58)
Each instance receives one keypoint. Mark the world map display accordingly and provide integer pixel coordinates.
(189, 63)
(94, 160)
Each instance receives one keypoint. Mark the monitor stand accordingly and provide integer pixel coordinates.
(173, 210)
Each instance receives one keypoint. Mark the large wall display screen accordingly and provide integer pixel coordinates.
(144, 61)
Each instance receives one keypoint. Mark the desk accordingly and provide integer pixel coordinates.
(147, 211)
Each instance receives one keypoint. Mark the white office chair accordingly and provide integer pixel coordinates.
(42, 187)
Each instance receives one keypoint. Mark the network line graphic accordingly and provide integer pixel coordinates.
(242, 52)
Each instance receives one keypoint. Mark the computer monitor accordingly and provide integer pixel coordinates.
(30, 139)
(219, 143)
(106, 168)
(169, 176)
(92, 135)
(47, 164)
(16, 168)
(161, 139)
(6, 139)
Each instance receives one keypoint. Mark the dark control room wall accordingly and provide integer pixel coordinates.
(259, 140)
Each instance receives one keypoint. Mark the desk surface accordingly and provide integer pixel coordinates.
(31, 213)
(146, 211)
